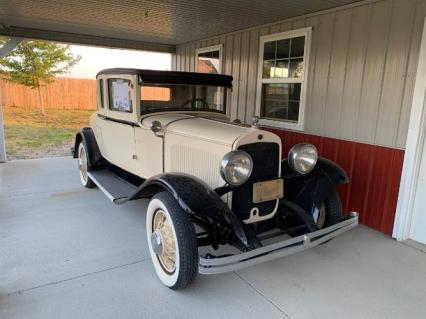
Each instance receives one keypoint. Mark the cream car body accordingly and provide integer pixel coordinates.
(194, 142)
(211, 182)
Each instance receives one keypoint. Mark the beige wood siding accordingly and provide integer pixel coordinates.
(361, 72)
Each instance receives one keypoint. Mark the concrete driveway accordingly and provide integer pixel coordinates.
(68, 252)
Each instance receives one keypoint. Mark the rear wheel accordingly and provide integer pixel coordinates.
(83, 165)
(172, 242)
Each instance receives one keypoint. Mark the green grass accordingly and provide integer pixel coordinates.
(30, 134)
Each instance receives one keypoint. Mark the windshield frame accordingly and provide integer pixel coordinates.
(178, 109)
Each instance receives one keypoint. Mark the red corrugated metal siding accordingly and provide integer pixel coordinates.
(374, 171)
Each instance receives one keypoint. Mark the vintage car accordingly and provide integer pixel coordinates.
(221, 197)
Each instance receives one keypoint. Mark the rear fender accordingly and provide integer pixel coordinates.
(86, 134)
(197, 199)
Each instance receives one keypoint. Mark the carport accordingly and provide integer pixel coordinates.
(68, 252)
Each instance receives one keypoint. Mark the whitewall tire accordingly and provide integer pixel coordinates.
(83, 166)
(172, 242)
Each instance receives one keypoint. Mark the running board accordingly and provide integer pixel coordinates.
(111, 185)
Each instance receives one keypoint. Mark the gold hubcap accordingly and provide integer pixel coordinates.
(162, 226)
(83, 163)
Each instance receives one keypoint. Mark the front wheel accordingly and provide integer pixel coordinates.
(172, 242)
(331, 211)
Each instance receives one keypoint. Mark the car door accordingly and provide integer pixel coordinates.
(117, 122)
(96, 118)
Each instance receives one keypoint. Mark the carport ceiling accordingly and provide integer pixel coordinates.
(150, 24)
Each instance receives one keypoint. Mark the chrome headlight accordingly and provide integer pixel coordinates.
(303, 158)
(236, 167)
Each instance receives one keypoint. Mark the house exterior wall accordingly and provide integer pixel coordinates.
(362, 67)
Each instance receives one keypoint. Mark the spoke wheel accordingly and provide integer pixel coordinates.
(172, 242)
(164, 241)
(83, 166)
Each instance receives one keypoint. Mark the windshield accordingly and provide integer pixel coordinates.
(182, 97)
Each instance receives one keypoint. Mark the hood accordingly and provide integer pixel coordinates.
(212, 127)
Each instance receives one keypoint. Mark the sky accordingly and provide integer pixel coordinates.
(94, 59)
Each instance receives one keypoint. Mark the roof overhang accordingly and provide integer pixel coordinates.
(86, 39)
(153, 25)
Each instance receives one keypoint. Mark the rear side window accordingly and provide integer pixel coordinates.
(101, 91)
(120, 95)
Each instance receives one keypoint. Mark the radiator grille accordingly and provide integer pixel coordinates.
(266, 163)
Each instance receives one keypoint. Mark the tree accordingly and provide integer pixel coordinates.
(35, 63)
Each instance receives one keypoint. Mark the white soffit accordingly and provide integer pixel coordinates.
(145, 24)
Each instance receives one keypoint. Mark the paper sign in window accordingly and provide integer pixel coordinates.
(120, 97)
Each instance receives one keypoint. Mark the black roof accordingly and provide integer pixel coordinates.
(174, 77)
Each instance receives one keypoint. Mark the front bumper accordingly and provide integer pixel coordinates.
(273, 251)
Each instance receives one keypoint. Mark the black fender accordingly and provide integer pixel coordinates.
(329, 168)
(86, 134)
(309, 191)
(197, 199)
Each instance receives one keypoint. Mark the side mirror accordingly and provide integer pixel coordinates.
(156, 127)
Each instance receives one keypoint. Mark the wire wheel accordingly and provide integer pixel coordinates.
(165, 243)
(83, 166)
(82, 163)
(171, 241)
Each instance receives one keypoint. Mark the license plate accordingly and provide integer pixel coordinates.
(269, 190)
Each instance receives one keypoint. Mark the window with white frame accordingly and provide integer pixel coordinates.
(209, 60)
(283, 65)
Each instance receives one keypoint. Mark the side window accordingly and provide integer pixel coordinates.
(120, 95)
(209, 60)
(101, 93)
(282, 78)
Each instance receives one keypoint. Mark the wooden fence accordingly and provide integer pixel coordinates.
(64, 93)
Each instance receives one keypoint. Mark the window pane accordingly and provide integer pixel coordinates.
(215, 54)
(281, 69)
(181, 97)
(268, 69)
(281, 101)
(154, 93)
(269, 50)
(293, 111)
(208, 62)
(120, 95)
(297, 47)
(101, 91)
(294, 92)
(283, 49)
(296, 68)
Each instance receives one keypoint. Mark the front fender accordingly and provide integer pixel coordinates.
(310, 190)
(196, 198)
(329, 168)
